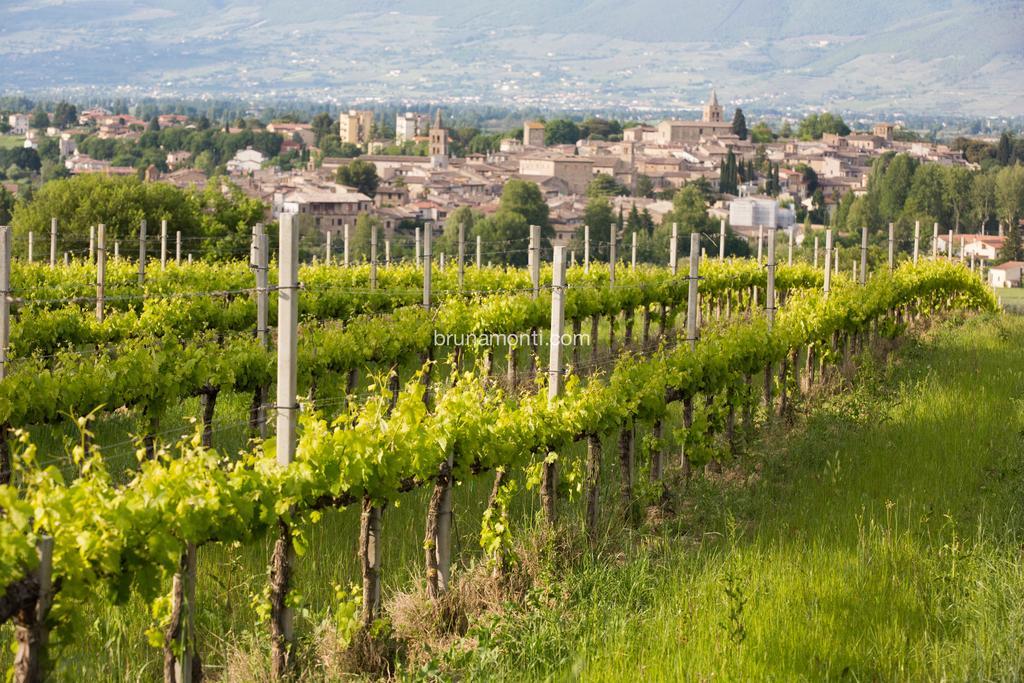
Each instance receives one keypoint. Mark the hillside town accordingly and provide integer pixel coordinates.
(752, 179)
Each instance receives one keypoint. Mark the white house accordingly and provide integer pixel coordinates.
(18, 123)
(246, 160)
(982, 246)
(1005, 275)
(750, 212)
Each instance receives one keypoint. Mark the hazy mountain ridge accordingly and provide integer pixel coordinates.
(965, 56)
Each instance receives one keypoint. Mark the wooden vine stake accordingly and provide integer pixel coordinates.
(549, 475)
(30, 630)
(917, 239)
(281, 627)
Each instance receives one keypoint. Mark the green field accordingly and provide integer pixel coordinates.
(880, 540)
(11, 141)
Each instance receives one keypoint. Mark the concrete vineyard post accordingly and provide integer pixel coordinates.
(949, 246)
(327, 248)
(760, 244)
(347, 262)
(549, 476)
(5, 297)
(769, 292)
(373, 255)
(31, 240)
(935, 240)
(632, 261)
(917, 239)
(611, 256)
(53, 242)
(163, 245)
(92, 243)
(721, 240)
(462, 254)
(387, 252)
(101, 269)
(692, 293)
(892, 247)
(142, 252)
(534, 259)
(673, 250)
(281, 620)
(177, 247)
(863, 254)
(828, 261)
(427, 235)
(479, 252)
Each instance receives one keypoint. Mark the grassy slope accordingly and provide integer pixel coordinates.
(881, 542)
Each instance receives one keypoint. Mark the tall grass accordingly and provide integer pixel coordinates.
(879, 541)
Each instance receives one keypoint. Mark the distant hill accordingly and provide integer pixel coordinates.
(917, 56)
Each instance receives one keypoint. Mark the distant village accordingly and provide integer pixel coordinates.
(649, 163)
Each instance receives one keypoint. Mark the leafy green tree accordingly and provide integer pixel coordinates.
(6, 206)
(64, 115)
(561, 132)
(983, 199)
(1013, 247)
(739, 124)
(956, 189)
(221, 215)
(1004, 149)
(816, 125)
(359, 246)
(323, 125)
(448, 241)
(603, 185)
(728, 182)
(1009, 194)
(894, 186)
(599, 217)
(524, 198)
(504, 235)
(40, 120)
(361, 175)
(926, 199)
(644, 186)
(786, 132)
